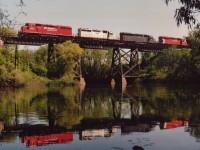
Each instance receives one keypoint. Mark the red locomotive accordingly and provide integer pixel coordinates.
(33, 141)
(172, 40)
(175, 124)
(46, 29)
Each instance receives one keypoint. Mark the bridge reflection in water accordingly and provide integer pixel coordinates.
(124, 110)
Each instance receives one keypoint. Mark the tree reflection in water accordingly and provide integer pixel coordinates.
(98, 111)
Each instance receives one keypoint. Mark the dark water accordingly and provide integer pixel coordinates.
(100, 118)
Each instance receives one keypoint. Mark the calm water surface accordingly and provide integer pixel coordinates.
(100, 118)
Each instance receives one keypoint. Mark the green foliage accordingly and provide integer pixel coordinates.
(65, 62)
(32, 63)
(38, 70)
(96, 63)
(194, 39)
(41, 56)
(172, 64)
(67, 78)
(38, 66)
(24, 58)
(6, 55)
(6, 31)
(22, 76)
(188, 12)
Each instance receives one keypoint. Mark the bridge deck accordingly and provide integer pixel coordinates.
(90, 43)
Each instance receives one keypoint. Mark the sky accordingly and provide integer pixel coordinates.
(152, 17)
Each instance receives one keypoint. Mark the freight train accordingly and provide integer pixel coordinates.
(58, 30)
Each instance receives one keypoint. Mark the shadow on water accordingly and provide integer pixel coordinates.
(51, 116)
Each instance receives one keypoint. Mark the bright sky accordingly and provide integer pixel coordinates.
(151, 17)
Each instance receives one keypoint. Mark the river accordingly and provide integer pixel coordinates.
(148, 117)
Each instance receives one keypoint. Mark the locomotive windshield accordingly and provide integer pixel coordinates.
(38, 25)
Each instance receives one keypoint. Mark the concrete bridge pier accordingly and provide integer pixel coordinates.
(119, 81)
(78, 71)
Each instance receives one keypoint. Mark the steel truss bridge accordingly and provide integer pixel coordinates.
(125, 59)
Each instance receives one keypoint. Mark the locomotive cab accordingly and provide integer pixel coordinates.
(184, 41)
(28, 27)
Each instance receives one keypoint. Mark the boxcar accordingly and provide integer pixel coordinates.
(46, 29)
(138, 38)
(172, 40)
(100, 34)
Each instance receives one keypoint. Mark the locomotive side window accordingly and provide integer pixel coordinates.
(96, 31)
(38, 25)
(86, 30)
(64, 28)
(49, 26)
(31, 26)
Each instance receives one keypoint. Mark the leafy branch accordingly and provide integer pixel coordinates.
(188, 13)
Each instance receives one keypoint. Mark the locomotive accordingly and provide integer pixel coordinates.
(46, 29)
(138, 38)
(172, 40)
(58, 30)
(100, 34)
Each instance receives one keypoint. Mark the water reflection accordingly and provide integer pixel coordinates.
(45, 116)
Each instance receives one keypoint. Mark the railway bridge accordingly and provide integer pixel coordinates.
(125, 58)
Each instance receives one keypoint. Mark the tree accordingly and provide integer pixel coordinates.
(63, 67)
(5, 19)
(194, 40)
(172, 64)
(188, 12)
(38, 66)
(96, 63)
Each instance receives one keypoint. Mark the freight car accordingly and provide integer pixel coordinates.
(46, 29)
(172, 40)
(100, 34)
(138, 38)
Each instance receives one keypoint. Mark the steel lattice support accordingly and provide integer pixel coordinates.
(51, 53)
(125, 63)
(77, 68)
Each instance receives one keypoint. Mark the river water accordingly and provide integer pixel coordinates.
(150, 117)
